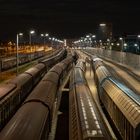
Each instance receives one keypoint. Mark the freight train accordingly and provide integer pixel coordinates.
(33, 119)
(10, 62)
(85, 120)
(121, 104)
(14, 92)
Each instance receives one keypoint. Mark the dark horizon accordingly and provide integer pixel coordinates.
(67, 19)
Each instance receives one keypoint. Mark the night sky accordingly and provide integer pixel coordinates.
(67, 18)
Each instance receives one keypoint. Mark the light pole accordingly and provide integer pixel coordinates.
(52, 42)
(93, 37)
(30, 34)
(100, 43)
(30, 41)
(44, 35)
(17, 47)
(122, 42)
(108, 41)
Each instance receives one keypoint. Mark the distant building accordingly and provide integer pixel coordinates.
(104, 31)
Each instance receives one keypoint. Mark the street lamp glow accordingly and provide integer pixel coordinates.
(138, 36)
(118, 44)
(87, 36)
(93, 36)
(120, 38)
(125, 44)
(32, 32)
(20, 34)
(46, 35)
(102, 24)
(112, 44)
(135, 45)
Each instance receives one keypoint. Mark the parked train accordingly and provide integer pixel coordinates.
(13, 93)
(10, 62)
(121, 103)
(7, 63)
(33, 119)
(85, 121)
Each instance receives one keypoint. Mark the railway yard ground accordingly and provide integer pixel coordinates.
(91, 98)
